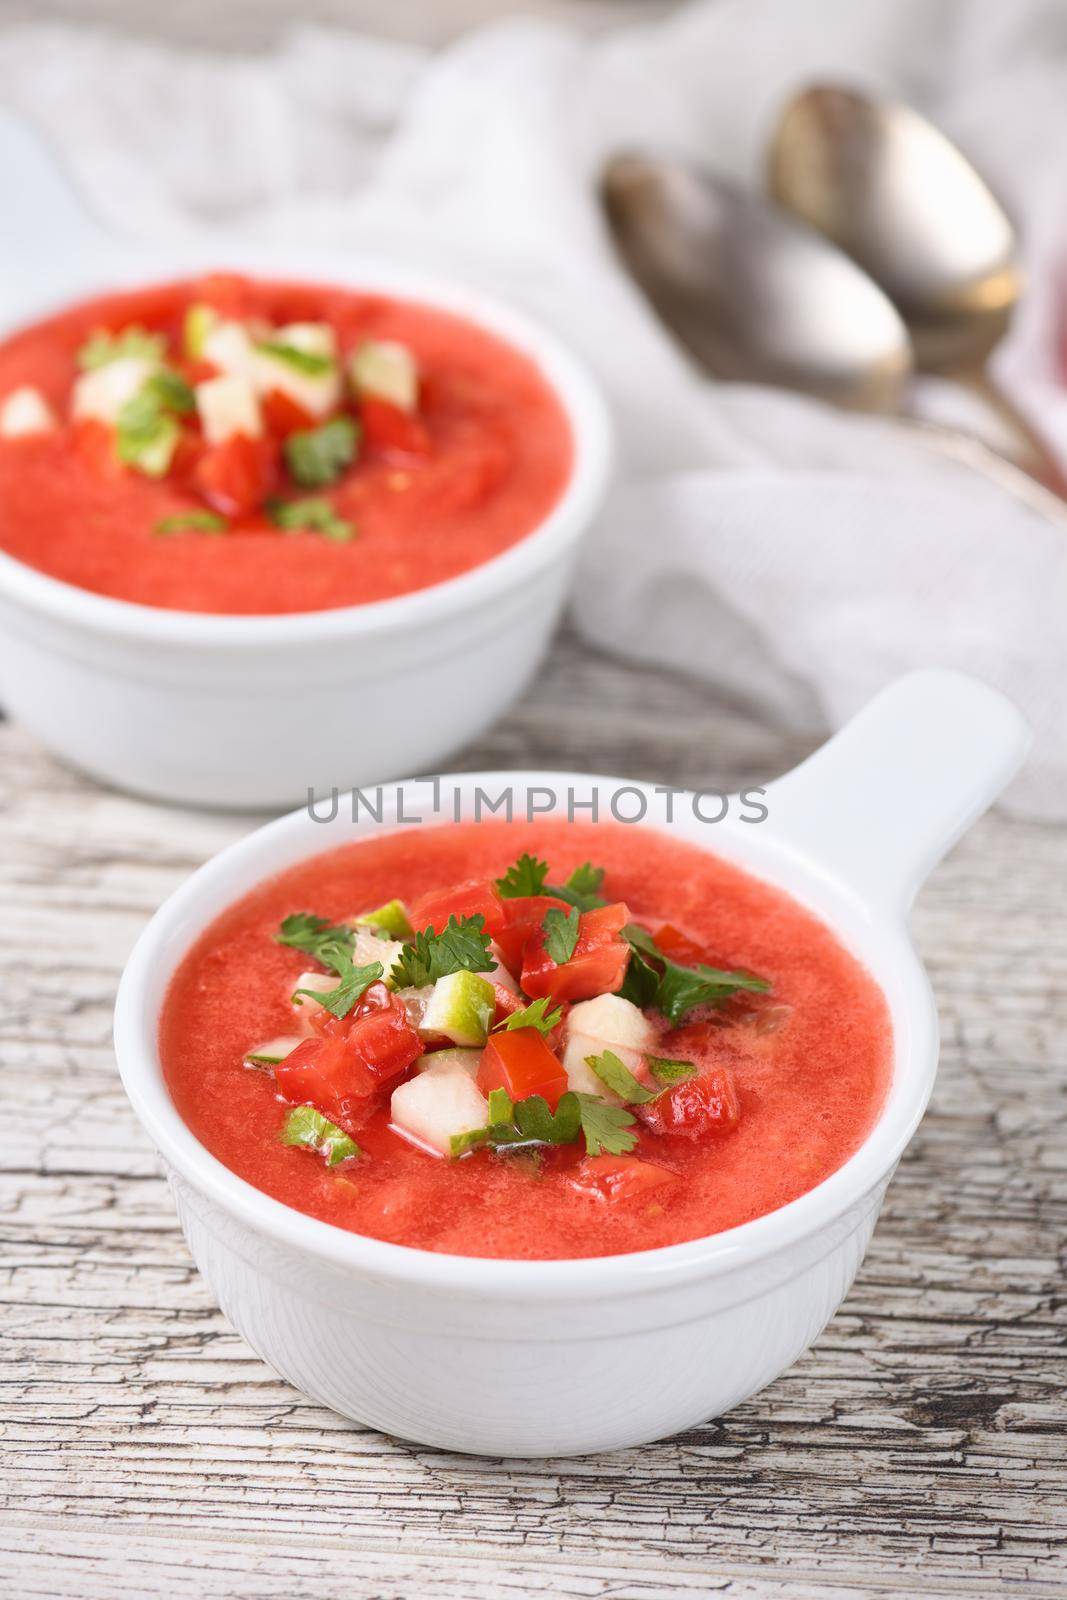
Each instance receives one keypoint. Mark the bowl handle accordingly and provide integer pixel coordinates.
(883, 800)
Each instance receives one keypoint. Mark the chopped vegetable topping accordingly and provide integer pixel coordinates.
(535, 1015)
(459, 947)
(312, 363)
(328, 942)
(529, 876)
(526, 877)
(619, 1079)
(318, 456)
(308, 1127)
(392, 919)
(192, 521)
(355, 981)
(676, 990)
(101, 348)
(314, 515)
(668, 1072)
(561, 933)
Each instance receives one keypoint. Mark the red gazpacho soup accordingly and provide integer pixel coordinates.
(241, 446)
(526, 1041)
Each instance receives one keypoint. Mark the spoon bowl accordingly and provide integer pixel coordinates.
(754, 294)
(894, 193)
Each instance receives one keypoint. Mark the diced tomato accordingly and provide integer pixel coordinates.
(520, 1062)
(474, 898)
(619, 1177)
(507, 1002)
(522, 918)
(598, 965)
(705, 1104)
(283, 415)
(325, 1073)
(238, 476)
(94, 442)
(679, 947)
(391, 431)
(342, 1068)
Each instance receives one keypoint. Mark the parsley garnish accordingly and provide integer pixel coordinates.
(314, 514)
(581, 888)
(146, 432)
(606, 1128)
(536, 1015)
(331, 944)
(678, 989)
(529, 876)
(170, 391)
(192, 522)
(101, 348)
(523, 1122)
(355, 981)
(459, 947)
(618, 1077)
(561, 933)
(308, 1127)
(318, 456)
(526, 877)
(310, 362)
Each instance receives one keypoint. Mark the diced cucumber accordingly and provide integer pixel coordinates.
(388, 371)
(200, 323)
(613, 1019)
(308, 1127)
(228, 346)
(25, 411)
(500, 974)
(447, 1060)
(227, 406)
(580, 1075)
(300, 361)
(392, 919)
(305, 1007)
(366, 947)
(461, 1008)
(415, 1002)
(434, 1107)
(273, 1051)
(102, 392)
(151, 449)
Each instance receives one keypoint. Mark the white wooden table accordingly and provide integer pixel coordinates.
(145, 1451)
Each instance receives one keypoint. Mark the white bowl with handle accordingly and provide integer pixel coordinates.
(255, 711)
(549, 1358)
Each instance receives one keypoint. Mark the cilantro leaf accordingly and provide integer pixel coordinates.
(561, 933)
(606, 1128)
(680, 989)
(523, 1122)
(308, 1127)
(312, 363)
(459, 947)
(170, 391)
(641, 981)
(536, 1015)
(526, 877)
(146, 432)
(191, 522)
(668, 1072)
(618, 1077)
(313, 514)
(318, 456)
(332, 945)
(355, 981)
(103, 347)
(581, 888)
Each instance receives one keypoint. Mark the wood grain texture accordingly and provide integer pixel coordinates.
(144, 1450)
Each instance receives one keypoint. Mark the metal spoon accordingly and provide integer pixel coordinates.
(888, 187)
(757, 296)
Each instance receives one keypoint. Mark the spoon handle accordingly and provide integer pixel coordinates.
(971, 452)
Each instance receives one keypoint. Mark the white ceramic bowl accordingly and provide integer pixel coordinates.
(560, 1357)
(254, 711)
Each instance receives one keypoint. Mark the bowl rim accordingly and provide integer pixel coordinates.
(179, 921)
(567, 375)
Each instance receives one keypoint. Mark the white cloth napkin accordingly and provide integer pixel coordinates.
(785, 552)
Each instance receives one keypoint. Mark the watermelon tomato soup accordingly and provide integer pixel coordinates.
(525, 1041)
(240, 446)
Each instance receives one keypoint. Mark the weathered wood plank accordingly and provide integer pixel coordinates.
(917, 1449)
